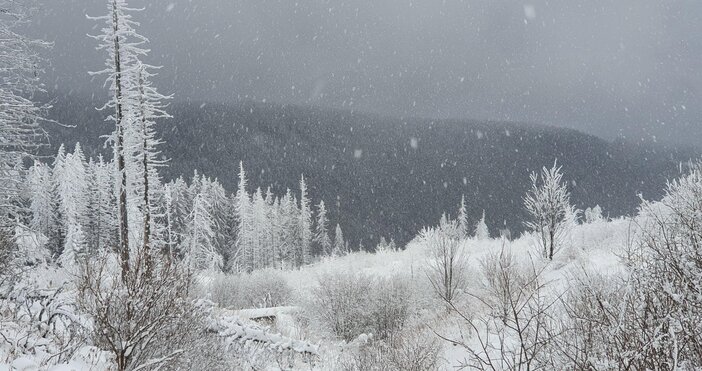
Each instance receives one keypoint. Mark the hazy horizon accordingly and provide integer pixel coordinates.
(612, 69)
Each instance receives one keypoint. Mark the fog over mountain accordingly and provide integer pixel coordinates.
(386, 177)
(611, 68)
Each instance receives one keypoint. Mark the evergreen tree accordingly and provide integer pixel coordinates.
(147, 105)
(178, 208)
(260, 231)
(41, 199)
(201, 251)
(288, 229)
(57, 237)
(73, 196)
(481, 229)
(104, 206)
(463, 225)
(321, 236)
(244, 248)
(305, 226)
(339, 244)
(221, 208)
(276, 228)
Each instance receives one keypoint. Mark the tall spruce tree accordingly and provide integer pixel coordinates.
(244, 247)
(339, 248)
(305, 226)
(463, 225)
(321, 237)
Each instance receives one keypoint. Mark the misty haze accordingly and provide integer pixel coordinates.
(350, 185)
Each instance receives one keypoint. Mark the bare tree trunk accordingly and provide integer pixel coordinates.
(145, 161)
(122, 203)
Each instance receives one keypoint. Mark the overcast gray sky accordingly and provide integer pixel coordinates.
(619, 67)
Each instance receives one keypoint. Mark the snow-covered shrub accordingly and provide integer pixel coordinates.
(593, 214)
(202, 348)
(589, 322)
(353, 304)
(665, 312)
(143, 317)
(259, 289)
(510, 318)
(405, 352)
(265, 288)
(7, 268)
(39, 324)
(415, 351)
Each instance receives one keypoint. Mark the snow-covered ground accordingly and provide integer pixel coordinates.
(595, 246)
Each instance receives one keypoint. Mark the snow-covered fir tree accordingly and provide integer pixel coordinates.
(260, 231)
(481, 229)
(463, 225)
(244, 243)
(145, 105)
(73, 197)
(321, 235)
(288, 229)
(339, 248)
(305, 226)
(201, 252)
(41, 199)
(103, 221)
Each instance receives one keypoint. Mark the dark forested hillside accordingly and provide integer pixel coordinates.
(389, 177)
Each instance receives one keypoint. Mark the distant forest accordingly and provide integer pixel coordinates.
(387, 177)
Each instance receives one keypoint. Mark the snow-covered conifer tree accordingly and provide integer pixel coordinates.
(463, 225)
(41, 199)
(481, 229)
(146, 105)
(73, 196)
(321, 235)
(201, 253)
(287, 224)
(276, 230)
(57, 237)
(305, 225)
(339, 243)
(260, 231)
(104, 206)
(242, 207)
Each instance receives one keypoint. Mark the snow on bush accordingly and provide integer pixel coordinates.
(407, 351)
(350, 304)
(259, 289)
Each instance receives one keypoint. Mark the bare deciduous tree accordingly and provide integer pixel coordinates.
(132, 316)
(447, 266)
(548, 205)
(515, 331)
(20, 115)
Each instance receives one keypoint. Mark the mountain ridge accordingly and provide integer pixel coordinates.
(389, 177)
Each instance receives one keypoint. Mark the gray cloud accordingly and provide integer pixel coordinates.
(619, 67)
